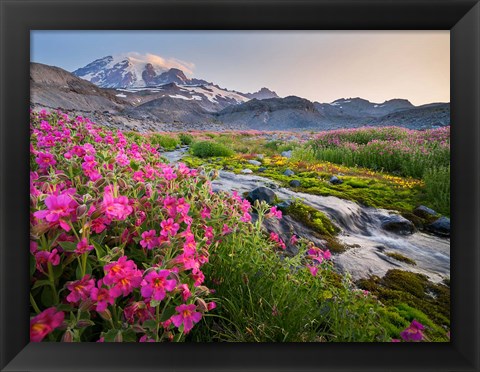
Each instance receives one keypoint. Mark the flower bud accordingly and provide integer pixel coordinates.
(81, 210)
(67, 336)
(100, 182)
(86, 305)
(201, 304)
(121, 183)
(83, 323)
(105, 315)
(62, 176)
(118, 337)
(87, 198)
(201, 290)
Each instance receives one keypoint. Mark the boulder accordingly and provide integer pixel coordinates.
(262, 169)
(262, 194)
(334, 180)
(287, 154)
(295, 183)
(424, 212)
(255, 162)
(398, 225)
(288, 173)
(246, 171)
(440, 227)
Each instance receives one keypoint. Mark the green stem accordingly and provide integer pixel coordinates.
(84, 264)
(51, 278)
(34, 304)
(157, 315)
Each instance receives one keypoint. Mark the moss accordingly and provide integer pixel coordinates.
(401, 258)
(312, 218)
(414, 290)
(318, 222)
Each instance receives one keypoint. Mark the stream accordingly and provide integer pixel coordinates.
(360, 229)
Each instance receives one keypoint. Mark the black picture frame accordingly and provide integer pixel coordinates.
(461, 17)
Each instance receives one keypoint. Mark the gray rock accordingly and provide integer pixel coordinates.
(398, 225)
(288, 173)
(260, 156)
(178, 147)
(255, 162)
(334, 180)
(284, 204)
(247, 171)
(262, 169)
(424, 212)
(287, 154)
(440, 227)
(295, 183)
(271, 185)
(262, 194)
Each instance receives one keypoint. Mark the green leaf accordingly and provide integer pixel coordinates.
(68, 246)
(167, 313)
(57, 271)
(154, 303)
(129, 335)
(134, 165)
(110, 335)
(150, 324)
(32, 265)
(99, 249)
(40, 283)
(47, 296)
(78, 272)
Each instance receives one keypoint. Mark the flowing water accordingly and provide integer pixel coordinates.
(361, 230)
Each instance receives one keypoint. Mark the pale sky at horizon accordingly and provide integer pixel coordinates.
(318, 65)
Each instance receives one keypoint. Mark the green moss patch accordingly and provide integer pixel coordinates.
(401, 258)
(399, 287)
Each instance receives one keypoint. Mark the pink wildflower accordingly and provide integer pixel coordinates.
(186, 294)
(117, 208)
(155, 285)
(58, 207)
(274, 212)
(149, 239)
(80, 289)
(45, 160)
(169, 227)
(205, 213)
(45, 323)
(413, 332)
(83, 247)
(186, 316)
(43, 257)
(102, 297)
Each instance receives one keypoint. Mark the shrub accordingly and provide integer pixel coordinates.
(167, 142)
(437, 188)
(185, 139)
(205, 149)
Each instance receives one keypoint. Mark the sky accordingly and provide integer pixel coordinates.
(318, 65)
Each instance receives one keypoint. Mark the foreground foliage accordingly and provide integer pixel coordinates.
(126, 248)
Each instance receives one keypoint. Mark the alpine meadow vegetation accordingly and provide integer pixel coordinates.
(127, 248)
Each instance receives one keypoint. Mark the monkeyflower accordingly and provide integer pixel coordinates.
(116, 208)
(122, 276)
(205, 213)
(83, 247)
(80, 289)
(45, 160)
(42, 258)
(149, 239)
(294, 240)
(102, 297)
(186, 294)
(274, 212)
(169, 227)
(59, 207)
(413, 332)
(45, 323)
(186, 316)
(155, 285)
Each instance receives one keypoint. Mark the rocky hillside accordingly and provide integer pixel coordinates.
(178, 104)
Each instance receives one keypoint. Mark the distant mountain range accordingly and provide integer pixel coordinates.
(123, 93)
